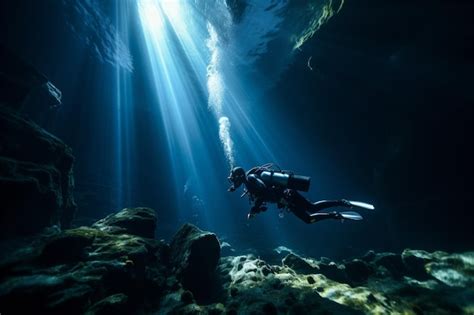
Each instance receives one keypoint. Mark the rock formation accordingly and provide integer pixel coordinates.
(36, 180)
(194, 256)
(109, 268)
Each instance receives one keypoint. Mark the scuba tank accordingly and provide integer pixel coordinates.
(285, 180)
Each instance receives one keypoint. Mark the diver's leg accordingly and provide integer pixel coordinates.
(324, 204)
(302, 214)
(296, 200)
(319, 216)
(315, 217)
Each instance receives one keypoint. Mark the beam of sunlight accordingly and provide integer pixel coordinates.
(198, 101)
(123, 120)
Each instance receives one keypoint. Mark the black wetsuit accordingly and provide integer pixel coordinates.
(260, 193)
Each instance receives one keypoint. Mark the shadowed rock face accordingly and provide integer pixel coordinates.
(36, 179)
(194, 256)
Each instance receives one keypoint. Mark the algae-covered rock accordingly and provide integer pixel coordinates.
(255, 287)
(137, 221)
(194, 255)
(84, 270)
(89, 270)
(454, 270)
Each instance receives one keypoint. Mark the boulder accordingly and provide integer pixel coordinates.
(136, 221)
(333, 271)
(358, 271)
(415, 262)
(36, 178)
(454, 270)
(392, 262)
(194, 255)
(84, 270)
(299, 264)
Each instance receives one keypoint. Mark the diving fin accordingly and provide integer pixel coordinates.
(350, 215)
(360, 204)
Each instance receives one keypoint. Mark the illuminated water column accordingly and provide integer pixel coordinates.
(199, 103)
(178, 68)
(123, 113)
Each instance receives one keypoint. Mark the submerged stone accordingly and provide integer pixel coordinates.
(300, 264)
(357, 270)
(194, 255)
(136, 221)
(88, 270)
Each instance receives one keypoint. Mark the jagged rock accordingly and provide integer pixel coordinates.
(454, 270)
(357, 270)
(36, 180)
(392, 262)
(244, 271)
(194, 255)
(254, 287)
(300, 264)
(415, 261)
(88, 270)
(136, 221)
(83, 269)
(333, 271)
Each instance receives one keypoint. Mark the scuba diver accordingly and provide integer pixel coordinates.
(269, 184)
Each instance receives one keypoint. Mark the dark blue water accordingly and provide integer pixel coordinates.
(376, 106)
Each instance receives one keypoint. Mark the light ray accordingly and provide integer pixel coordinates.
(197, 102)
